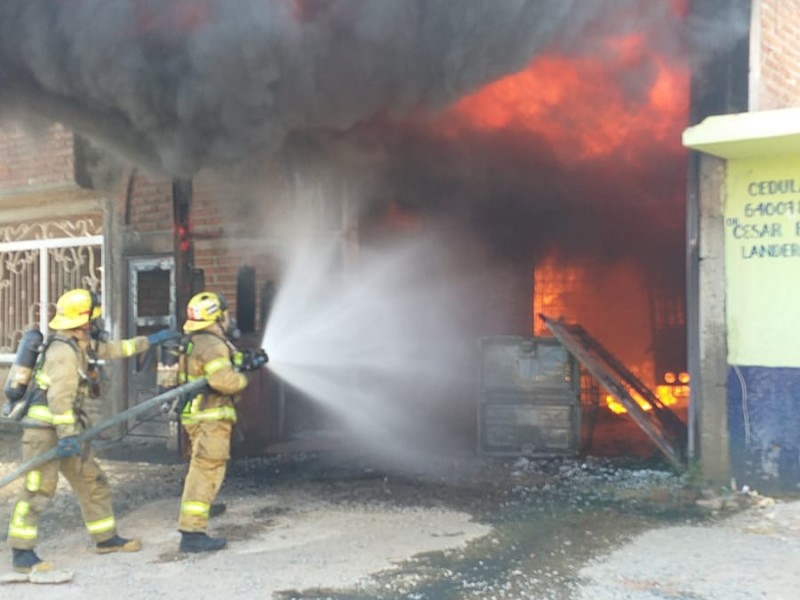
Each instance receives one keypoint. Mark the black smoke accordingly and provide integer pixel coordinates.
(524, 200)
(522, 193)
(176, 85)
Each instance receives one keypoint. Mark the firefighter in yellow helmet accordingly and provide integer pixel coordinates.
(208, 418)
(64, 379)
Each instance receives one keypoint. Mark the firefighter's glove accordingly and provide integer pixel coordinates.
(174, 408)
(170, 409)
(165, 335)
(249, 360)
(68, 446)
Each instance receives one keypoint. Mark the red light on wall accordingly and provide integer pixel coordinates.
(183, 236)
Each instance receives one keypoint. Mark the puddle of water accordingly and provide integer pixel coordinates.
(534, 552)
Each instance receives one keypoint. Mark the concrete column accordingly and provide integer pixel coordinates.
(116, 303)
(711, 395)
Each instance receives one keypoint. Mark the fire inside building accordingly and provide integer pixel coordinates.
(512, 144)
(557, 178)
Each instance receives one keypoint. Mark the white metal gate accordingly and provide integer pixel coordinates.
(38, 262)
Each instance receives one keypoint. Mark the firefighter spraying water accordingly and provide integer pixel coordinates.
(208, 417)
(46, 390)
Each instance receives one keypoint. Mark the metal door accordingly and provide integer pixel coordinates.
(151, 308)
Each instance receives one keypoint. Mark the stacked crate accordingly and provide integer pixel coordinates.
(528, 398)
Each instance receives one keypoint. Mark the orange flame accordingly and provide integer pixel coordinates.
(576, 293)
(571, 104)
(620, 102)
(670, 395)
(579, 108)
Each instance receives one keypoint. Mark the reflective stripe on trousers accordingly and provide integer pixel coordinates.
(86, 479)
(211, 443)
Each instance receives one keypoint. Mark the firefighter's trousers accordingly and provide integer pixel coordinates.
(211, 444)
(84, 476)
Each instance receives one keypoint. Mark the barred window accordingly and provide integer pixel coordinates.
(38, 262)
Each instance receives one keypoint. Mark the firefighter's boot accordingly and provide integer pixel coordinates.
(198, 541)
(217, 509)
(27, 561)
(118, 544)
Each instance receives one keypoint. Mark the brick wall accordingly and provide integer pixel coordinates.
(221, 246)
(35, 161)
(778, 48)
(150, 208)
(225, 222)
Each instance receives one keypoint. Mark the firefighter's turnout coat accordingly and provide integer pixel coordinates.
(62, 384)
(208, 419)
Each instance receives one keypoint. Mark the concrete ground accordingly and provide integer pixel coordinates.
(338, 524)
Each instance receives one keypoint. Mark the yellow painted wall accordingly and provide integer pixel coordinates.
(762, 261)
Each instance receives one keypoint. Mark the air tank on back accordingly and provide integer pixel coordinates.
(21, 371)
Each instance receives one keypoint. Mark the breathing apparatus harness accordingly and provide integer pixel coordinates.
(25, 387)
(174, 367)
(180, 356)
(28, 361)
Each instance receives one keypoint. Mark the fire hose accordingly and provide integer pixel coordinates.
(157, 401)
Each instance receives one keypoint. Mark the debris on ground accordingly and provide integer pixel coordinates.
(729, 501)
(340, 525)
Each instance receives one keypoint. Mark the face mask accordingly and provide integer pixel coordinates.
(97, 331)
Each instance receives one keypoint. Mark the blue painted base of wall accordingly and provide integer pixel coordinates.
(764, 427)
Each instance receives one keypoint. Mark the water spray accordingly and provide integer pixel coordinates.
(373, 346)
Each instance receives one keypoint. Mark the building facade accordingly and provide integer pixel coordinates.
(147, 242)
(742, 238)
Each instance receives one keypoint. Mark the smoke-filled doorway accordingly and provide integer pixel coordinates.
(563, 188)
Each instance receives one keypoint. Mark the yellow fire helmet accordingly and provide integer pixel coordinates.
(75, 308)
(203, 310)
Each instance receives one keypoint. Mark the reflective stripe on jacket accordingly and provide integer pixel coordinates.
(61, 380)
(209, 355)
